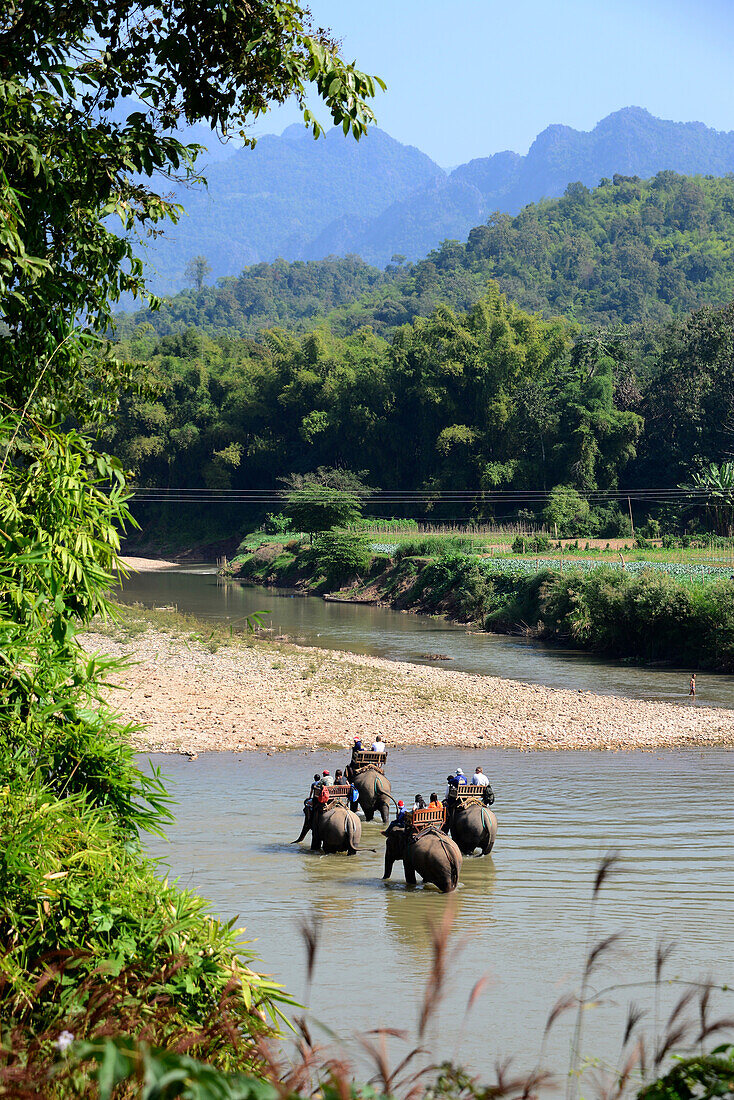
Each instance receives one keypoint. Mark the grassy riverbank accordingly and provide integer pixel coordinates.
(646, 609)
(197, 688)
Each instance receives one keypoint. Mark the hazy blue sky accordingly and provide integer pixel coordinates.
(470, 77)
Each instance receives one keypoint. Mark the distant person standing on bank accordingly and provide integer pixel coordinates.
(692, 688)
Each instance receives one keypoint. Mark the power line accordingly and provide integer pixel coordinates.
(199, 495)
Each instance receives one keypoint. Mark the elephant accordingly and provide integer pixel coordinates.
(373, 788)
(472, 826)
(335, 827)
(430, 852)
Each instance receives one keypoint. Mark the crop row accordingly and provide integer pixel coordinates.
(524, 566)
(683, 570)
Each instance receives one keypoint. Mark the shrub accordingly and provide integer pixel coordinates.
(567, 511)
(380, 562)
(276, 523)
(341, 555)
(428, 546)
(531, 544)
(610, 523)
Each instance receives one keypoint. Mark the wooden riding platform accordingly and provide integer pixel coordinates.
(339, 792)
(466, 791)
(362, 759)
(421, 819)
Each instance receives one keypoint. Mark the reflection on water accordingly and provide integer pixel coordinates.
(386, 633)
(521, 914)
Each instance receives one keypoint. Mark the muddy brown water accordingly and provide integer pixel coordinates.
(522, 914)
(416, 638)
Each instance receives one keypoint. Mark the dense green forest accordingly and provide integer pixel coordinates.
(493, 398)
(628, 251)
(291, 295)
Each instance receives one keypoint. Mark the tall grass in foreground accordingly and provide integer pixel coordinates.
(661, 1056)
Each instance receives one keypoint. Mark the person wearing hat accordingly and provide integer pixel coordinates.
(460, 777)
(399, 818)
(357, 747)
(328, 779)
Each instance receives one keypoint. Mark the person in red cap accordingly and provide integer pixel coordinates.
(399, 818)
(327, 778)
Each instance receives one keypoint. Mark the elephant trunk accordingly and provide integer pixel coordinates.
(306, 827)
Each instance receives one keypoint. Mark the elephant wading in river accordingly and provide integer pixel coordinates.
(472, 826)
(429, 852)
(335, 828)
(373, 788)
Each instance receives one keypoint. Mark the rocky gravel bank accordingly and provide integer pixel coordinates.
(193, 695)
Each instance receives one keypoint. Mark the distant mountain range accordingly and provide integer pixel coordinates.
(301, 199)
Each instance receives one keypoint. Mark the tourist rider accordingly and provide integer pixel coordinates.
(399, 818)
(357, 746)
(479, 779)
(316, 782)
(420, 803)
(378, 745)
(460, 777)
(434, 804)
(338, 778)
(327, 779)
(450, 786)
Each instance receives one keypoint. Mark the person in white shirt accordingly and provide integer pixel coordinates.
(481, 780)
(327, 779)
(379, 745)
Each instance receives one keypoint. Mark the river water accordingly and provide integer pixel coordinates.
(522, 914)
(385, 633)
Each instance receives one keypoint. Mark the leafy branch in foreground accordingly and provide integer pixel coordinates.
(74, 171)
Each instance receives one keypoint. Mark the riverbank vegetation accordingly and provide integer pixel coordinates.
(645, 609)
(495, 405)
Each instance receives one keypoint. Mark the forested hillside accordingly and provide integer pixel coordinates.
(281, 294)
(627, 251)
(297, 199)
(492, 398)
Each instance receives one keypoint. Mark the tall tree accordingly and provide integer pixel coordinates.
(70, 166)
(197, 270)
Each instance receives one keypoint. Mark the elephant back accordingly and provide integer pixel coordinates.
(424, 840)
(372, 781)
(473, 825)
